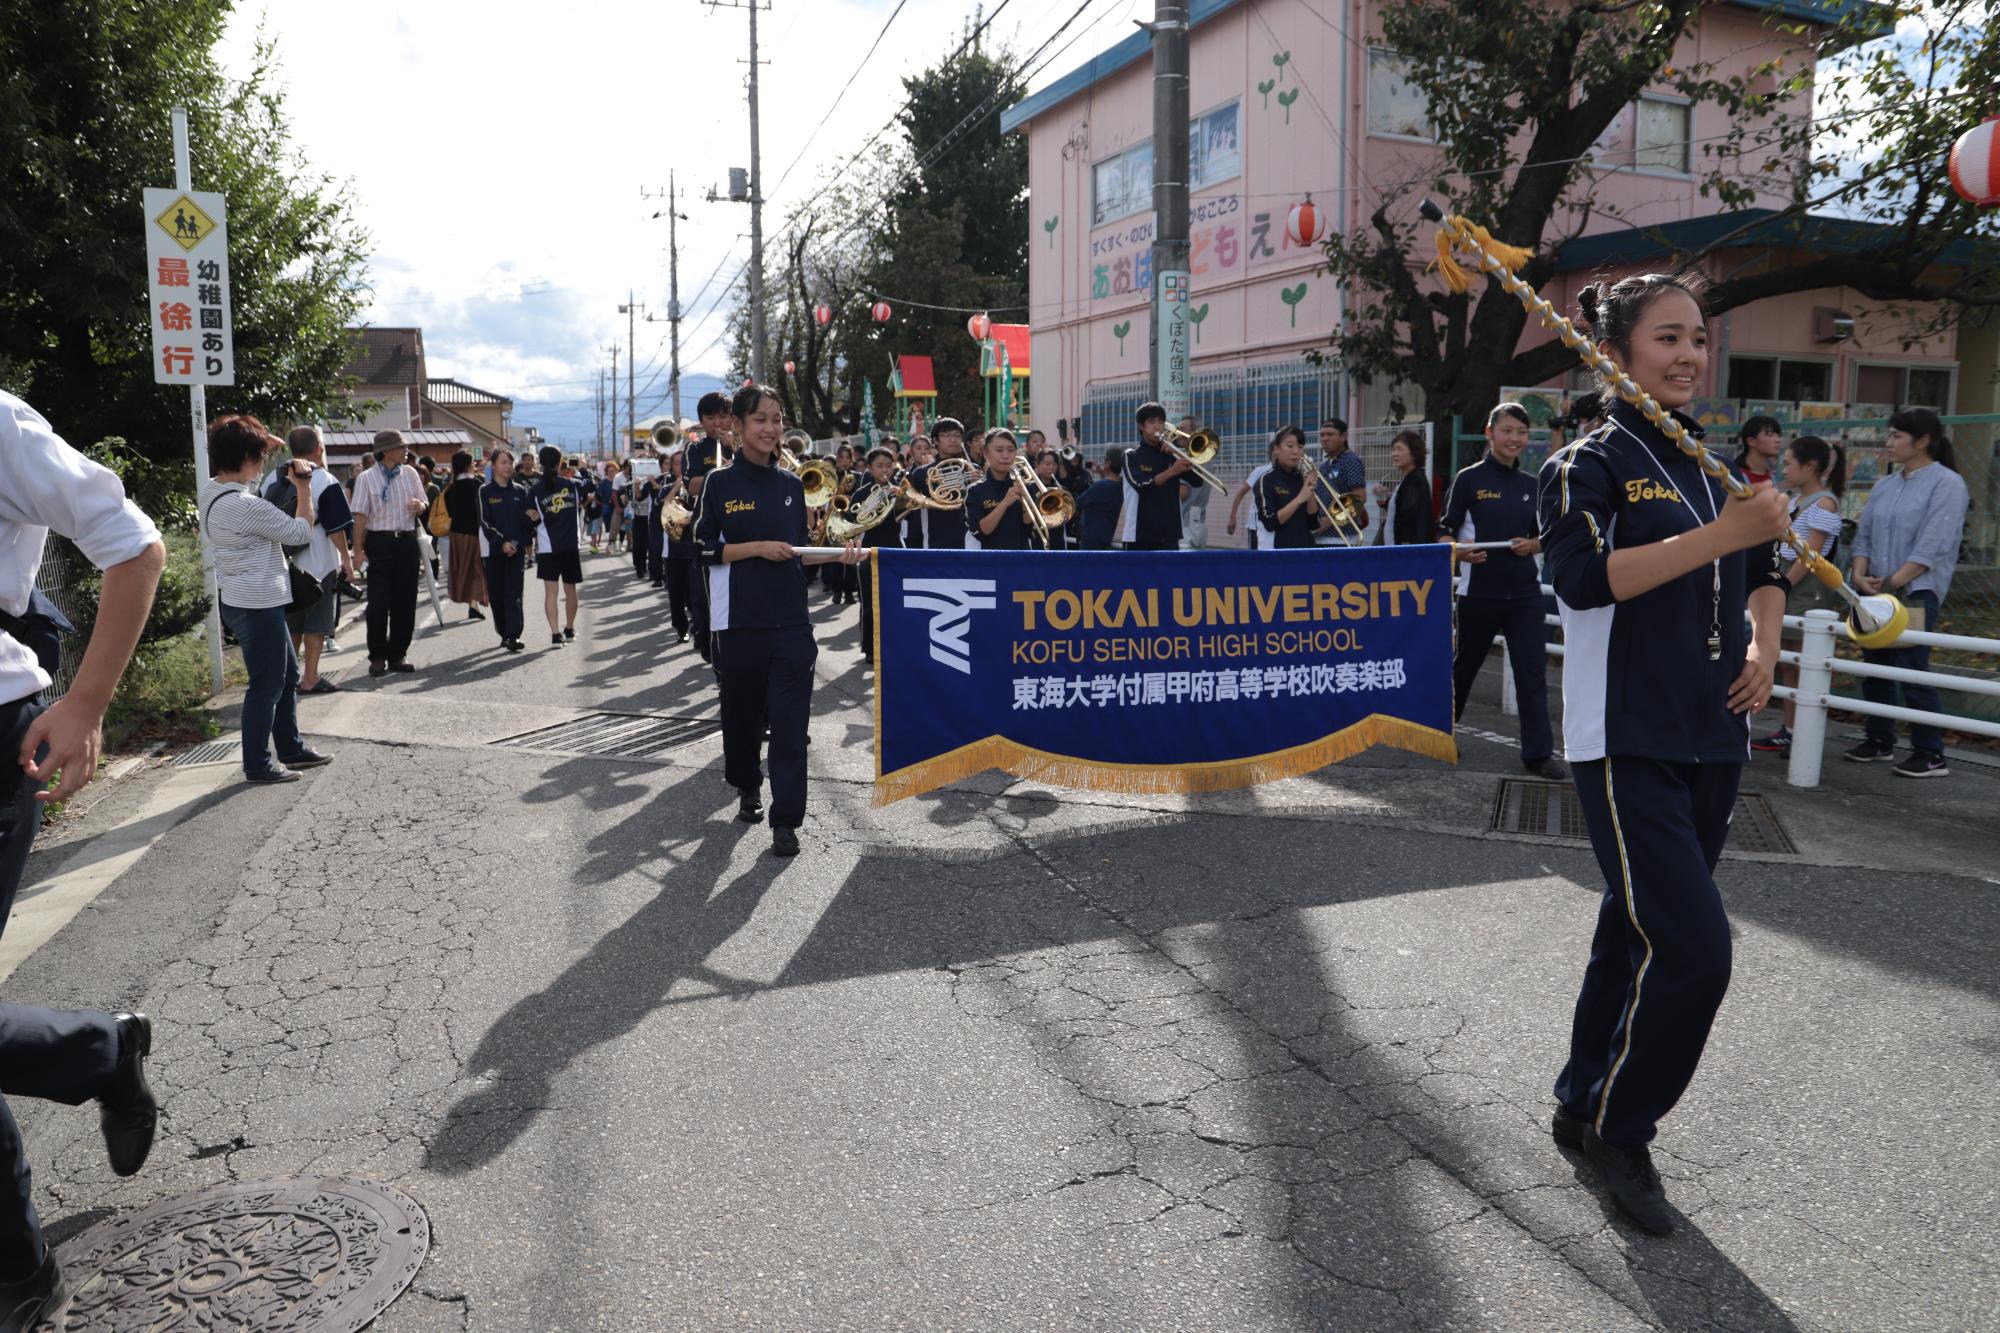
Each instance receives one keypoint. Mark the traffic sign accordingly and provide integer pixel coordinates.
(187, 287)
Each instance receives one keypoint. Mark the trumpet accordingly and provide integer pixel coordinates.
(1047, 507)
(1874, 621)
(667, 437)
(1198, 449)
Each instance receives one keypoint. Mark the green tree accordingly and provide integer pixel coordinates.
(1522, 91)
(85, 92)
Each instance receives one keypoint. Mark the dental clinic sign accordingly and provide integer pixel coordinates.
(187, 287)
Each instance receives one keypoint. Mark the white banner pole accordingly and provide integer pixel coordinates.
(198, 412)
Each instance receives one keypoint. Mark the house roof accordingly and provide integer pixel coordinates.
(1749, 228)
(478, 432)
(915, 377)
(387, 356)
(457, 393)
(1013, 337)
(1139, 45)
(350, 441)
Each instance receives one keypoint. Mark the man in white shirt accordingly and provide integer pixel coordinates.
(69, 1057)
(389, 502)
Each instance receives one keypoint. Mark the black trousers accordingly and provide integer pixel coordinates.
(1659, 962)
(698, 608)
(56, 1055)
(506, 575)
(394, 567)
(1520, 619)
(1153, 546)
(641, 526)
(865, 575)
(680, 577)
(656, 551)
(767, 675)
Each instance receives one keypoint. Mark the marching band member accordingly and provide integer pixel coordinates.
(1344, 470)
(1155, 479)
(507, 519)
(942, 529)
(881, 473)
(753, 517)
(558, 498)
(996, 507)
(1493, 500)
(1060, 537)
(679, 550)
(1097, 508)
(704, 457)
(1287, 508)
(1655, 567)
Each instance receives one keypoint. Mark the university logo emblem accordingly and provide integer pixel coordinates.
(950, 603)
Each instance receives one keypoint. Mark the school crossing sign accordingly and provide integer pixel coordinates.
(187, 287)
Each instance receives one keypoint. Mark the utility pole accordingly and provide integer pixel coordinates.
(630, 310)
(755, 186)
(615, 453)
(1170, 368)
(674, 295)
(600, 410)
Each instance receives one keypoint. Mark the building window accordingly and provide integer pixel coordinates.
(1652, 134)
(1913, 386)
(1396, 106)
(1777, 378)
(1215, 148)
(1122, 185)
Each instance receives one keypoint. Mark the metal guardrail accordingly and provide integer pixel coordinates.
(1814, 694)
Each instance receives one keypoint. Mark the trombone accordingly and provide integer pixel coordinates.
(1047, 507)
(1339, 509)
(1198, 449)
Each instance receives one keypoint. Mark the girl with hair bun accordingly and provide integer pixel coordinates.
(1654, 566)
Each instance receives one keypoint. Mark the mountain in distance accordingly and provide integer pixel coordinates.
(572, 423)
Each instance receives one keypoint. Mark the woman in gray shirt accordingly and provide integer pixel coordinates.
(1909, 536)
(248, 534)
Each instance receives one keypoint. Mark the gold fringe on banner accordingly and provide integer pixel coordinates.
(1163, 779)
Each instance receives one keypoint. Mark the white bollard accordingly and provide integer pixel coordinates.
(1815, 685)
(1510, 703)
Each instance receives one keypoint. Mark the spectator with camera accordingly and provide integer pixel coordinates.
(254, 586)
(326, 559)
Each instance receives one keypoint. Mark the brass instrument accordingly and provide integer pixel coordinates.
(948, 481)
(888, 502)
(1198, 449)
(1047, 506)
(1342, 510)
(667, 437)
(674, 513)
(1874, 621)
(815, 474)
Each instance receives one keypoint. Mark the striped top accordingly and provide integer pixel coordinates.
(1813, 518)
(248, 534)
(382, 499)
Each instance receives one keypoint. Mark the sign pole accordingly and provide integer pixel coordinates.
(198, 414)
(1170, 360)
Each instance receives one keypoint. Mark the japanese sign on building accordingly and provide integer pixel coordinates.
(1171, 347)
(187, 288)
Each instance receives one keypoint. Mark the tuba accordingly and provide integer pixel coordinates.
(1874, 621)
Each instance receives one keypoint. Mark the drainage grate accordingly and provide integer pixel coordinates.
(615, 735)
(1551, 810)
(211, 752)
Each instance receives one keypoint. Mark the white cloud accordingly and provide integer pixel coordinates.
(497, 154)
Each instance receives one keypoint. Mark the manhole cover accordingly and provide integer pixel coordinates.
(1551, 810)
(310, 1252)
(615, 735)
(211, 752)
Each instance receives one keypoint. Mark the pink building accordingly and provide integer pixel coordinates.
(1291, 100)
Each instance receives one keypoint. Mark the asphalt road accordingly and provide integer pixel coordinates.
(1004, 1057)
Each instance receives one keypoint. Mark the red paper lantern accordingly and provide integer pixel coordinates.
(1975, 164)
(879, 312)
(747, 381)
(823, 314)
(980, 327)
(1306, 223)
(791, 367)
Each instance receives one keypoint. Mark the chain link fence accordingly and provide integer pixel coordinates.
(58, 579)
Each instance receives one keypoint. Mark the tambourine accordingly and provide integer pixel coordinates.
(1873, 621)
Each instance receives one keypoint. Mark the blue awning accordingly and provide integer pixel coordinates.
(1750, 228)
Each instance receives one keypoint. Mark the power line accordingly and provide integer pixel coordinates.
(787, 174)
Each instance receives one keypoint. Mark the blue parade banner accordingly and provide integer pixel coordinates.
(1156, 672)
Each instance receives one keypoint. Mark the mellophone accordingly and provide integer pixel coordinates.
(1873, 621)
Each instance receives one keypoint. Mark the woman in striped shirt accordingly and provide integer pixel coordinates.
(1816, 475)
(248, 534)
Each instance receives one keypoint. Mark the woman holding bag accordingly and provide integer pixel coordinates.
(254, 586)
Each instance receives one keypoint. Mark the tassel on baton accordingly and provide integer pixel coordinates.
(1873, 621)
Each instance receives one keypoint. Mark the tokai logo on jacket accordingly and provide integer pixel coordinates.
(1648, 489)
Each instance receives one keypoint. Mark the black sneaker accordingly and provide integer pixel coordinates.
(403, 666)
(1568, 1130)
(784, 842)
(23, 1303)
(476, 614)
(569, 632)
(307, 758)
(1550, 770)
(513, 645)
(750, 808)
(1778, 742)
(378, 668)
(1922, 764)
(270, 775)
(1634, 1184)
(1871, 752)
(555, 640)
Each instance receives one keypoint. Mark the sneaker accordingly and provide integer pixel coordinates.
(273, 775)
(513, 645)
(784, 842)
(403, 666)
(1778, 742)
(307, 758)
(1634, 1184)
(555, 640)
(1922, 764)
(1549, 770)
(569, 632)
(378, 668)
(1568, 1130)
(1871, 752)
